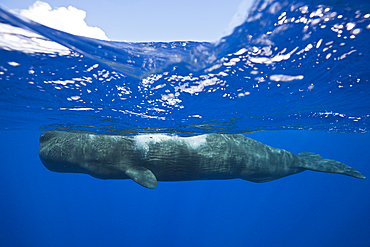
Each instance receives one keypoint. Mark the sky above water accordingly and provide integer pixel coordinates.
(139, 20)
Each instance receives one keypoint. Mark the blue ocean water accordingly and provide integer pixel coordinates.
(298, 67)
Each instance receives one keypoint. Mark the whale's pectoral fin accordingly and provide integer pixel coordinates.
(142, 176)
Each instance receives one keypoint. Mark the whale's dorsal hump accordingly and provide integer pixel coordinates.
(142, 176)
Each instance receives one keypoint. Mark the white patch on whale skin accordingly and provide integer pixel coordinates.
(195, 141)
(143, 141)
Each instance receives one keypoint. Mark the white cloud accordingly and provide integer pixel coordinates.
(70, 19)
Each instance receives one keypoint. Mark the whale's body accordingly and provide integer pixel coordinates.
(156, 157)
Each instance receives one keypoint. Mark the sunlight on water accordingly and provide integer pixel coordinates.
(288, 66)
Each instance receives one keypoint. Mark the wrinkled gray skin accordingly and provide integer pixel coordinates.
(147, 159)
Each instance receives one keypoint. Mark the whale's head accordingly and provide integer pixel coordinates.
(55, 153)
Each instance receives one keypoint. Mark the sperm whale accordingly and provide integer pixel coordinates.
(149, 158)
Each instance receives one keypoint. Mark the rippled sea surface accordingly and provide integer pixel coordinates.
(290, 65)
